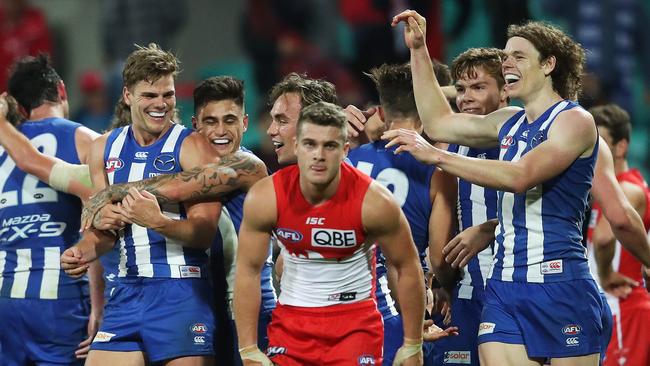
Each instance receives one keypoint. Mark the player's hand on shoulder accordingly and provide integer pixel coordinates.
(412, 142)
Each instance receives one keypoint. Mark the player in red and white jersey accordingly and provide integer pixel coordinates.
(327, 215)
(629, 343)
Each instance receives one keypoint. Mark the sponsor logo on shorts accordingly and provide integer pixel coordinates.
(288, 235)
(199, 339)
(572, 342)
(102, 337)
(114, 164)
(551, 267)
(486, 328)
(331, 238)
(366, 360)
(458, 357)
(190, 271)
(571, 329)
(199, 328)
(141, 155)
(275, 350)
(343, 296)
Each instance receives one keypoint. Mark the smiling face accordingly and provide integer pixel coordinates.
(479, 93)
(223, 123)
(522, 69)
(284, 118)
(152, 105)
(320, 151)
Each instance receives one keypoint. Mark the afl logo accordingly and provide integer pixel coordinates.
(506, 142)
(571, 329)
(165, 162)
(199, 328)
(288, 235)
(114, 164)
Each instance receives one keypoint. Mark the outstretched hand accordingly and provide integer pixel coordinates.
(414, 30)
(412, 142)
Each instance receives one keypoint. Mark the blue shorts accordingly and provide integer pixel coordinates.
(165, 318)
(462, 349)
(608, 323)
(42, 332)
(393, 337)
(552, 320)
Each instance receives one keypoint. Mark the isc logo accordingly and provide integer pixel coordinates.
(114, 164)
(315, 221)
(331, 238)
(288, 235)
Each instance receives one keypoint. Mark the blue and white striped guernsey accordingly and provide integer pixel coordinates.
(539, 235)
(38, 223)
(410, 182)
(144, 252)
(476, 205)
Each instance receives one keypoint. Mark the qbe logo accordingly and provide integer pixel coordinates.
(458, 357)
(114, 164)
(331, 238)
(572, 342)
(366, 360)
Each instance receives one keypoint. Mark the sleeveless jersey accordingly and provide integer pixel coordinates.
(623, 261)
(326, 259)
(38, 222)
(540, 231)
(224, 249)
(144, 252)
(476, 205)
(410, 182)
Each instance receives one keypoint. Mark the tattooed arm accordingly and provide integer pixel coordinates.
(239, 170)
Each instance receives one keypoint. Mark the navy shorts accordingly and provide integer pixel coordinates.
(463, 348)
(42, 332)
(552, 320)
(165, 318)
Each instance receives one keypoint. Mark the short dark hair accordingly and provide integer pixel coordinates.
(394, 84)
(310, 90)
(33, 81)
(324, 114)
(615, 119)
(218, 88)
(489, 59)
(569, 55)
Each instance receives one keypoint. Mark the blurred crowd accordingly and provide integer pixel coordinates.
(339, 41)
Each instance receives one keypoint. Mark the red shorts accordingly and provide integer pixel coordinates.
(347, 334)
(630, 343)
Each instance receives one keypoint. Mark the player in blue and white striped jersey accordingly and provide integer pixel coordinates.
(47, 311)
(220, 116)
(544, 173)
(426, 196)
(480, 90)
(163, 270)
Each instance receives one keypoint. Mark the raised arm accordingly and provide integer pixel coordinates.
(440, 122)
(239, 170)
(259, 219)
(625, 222)
(385, 224)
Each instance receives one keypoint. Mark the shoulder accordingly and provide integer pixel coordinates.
(195, 151)
(260, 207)
(575, 126)
(379, 208)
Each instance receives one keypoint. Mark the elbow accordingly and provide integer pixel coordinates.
(518, 186)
